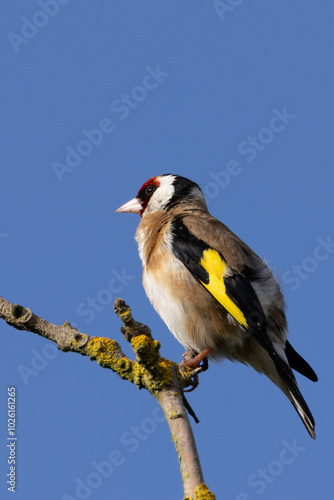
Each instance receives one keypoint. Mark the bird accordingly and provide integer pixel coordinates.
(217, 297)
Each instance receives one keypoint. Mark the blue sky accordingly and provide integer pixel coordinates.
(96, 97)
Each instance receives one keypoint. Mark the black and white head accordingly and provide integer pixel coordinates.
(162, 193)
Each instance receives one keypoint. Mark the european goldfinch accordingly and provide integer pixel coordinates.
(216, 296)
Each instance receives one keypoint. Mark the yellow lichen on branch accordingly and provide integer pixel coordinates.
(108, 354)
(202, 493)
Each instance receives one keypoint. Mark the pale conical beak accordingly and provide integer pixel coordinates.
(133, 206)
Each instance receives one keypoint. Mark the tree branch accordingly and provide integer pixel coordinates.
(164, 379)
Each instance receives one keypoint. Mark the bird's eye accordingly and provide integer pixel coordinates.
(150, 190)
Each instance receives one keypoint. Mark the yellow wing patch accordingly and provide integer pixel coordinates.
(217, 267)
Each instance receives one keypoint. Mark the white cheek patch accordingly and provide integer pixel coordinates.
(162, 195)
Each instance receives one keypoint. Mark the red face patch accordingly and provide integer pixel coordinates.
(146, 191)
(153, 181)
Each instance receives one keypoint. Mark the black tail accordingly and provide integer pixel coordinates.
(298, 363)
(295, 396)
(289, 384)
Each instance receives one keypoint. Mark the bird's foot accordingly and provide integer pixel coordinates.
(192, 359)
(194, 382)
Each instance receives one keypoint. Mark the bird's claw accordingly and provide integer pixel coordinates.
(193, 360)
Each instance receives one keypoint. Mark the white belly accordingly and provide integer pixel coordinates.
(169, 308)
